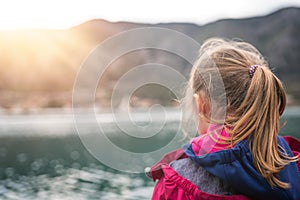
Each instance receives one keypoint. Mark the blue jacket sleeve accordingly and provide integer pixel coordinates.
(234, 166)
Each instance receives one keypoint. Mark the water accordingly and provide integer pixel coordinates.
(42, 157)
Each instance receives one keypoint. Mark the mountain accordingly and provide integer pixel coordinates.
(38, 67)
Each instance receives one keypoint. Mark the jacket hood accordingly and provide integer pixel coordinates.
(234, 166)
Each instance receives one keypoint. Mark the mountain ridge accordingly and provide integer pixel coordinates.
(46, 61)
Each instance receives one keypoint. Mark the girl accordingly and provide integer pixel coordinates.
(238, 153)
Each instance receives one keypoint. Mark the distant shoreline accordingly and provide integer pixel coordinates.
(289, 111)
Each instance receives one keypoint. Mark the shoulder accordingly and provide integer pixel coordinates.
(204, 180)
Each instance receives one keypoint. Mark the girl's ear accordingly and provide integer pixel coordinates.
(203, 109)
(201, 103)
(196, 101)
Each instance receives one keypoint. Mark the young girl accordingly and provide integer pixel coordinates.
(238, 153)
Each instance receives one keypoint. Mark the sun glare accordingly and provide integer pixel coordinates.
(31, 14)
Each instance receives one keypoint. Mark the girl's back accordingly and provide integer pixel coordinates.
(233, 88)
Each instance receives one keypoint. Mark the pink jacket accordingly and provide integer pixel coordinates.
(205, 143)
(171, 185)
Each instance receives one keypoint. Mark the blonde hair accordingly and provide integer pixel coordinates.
(253, 104)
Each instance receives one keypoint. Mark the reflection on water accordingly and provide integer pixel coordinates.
(61, 168)
(42, 157)
(86, 183)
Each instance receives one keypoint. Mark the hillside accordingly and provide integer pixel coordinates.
(38, 67)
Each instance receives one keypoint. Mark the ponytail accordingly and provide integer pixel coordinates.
(259, 120)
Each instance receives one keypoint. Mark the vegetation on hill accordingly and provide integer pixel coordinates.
(38, 67)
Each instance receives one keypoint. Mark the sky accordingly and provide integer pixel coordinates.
(61, 14)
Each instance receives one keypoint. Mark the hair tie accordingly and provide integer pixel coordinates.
(252, 70)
